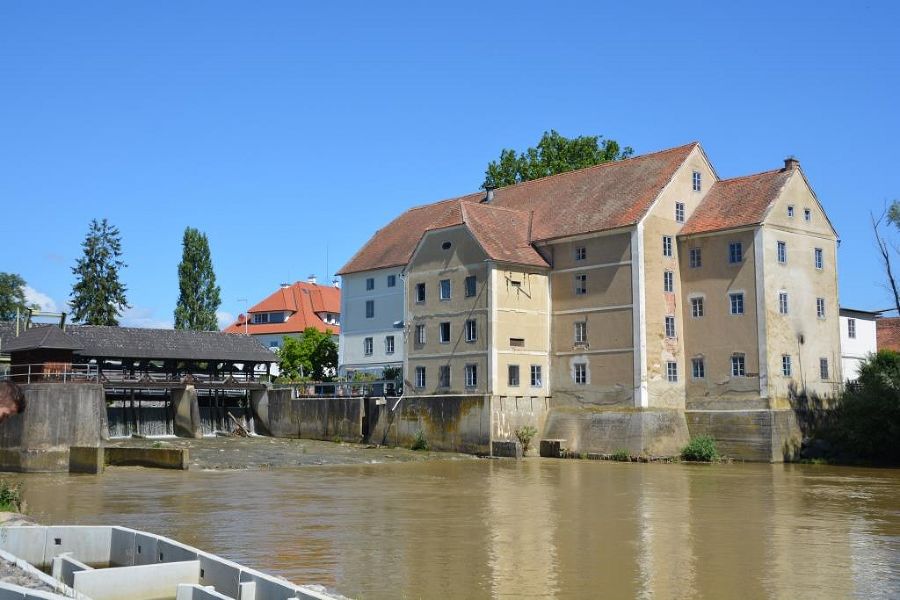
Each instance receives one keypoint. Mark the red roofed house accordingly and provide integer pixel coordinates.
(631, 304)
(291, 309)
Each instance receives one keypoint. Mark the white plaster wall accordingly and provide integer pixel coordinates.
(355, 327)
(855, 350)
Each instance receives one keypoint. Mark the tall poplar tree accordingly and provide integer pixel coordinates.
(98, 297)
(198, 295)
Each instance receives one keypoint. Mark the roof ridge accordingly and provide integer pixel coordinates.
(739, 177)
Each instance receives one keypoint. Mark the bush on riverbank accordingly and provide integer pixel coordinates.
(700, 449)
(10, 497)
(419, 442)
(525, 435)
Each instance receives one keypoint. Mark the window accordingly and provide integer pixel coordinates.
(697, 181)
(670, 327)
(737, 365)
(420, 293)
(389, 344)
(698, 368)
(517, 342)
(392, 281)
(580, 373)
(368, 346)
(420, 377)
(679, 212)
(735, 252)
(818, 258)
(580, 253)
(696, 307)
(851, 328)
(823, 369)
(261, 318)
(445, 333)
(737, 303)
(471, 332)
(370, 309)
(273, 344)
(786, 365)
(580, 284)
(668, 281)
(471, 375)
(444, 376)
(672, 371)
(807, 215)
(446, 245)
(696, 258)
(667, 245)
(370, 283)
(470, 286)
(782, 252)
(513, 375)
(536, 380)
(580, 332)
(791, 210)
(515, 283)
(783, 303)
(445, 289)
(420, 334)
(820, 308)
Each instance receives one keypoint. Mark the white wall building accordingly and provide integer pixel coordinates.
(858, 340)
(372, 334)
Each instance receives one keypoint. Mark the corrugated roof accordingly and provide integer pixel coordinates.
(307, 303)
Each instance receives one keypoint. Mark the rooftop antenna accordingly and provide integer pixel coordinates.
(327, 272)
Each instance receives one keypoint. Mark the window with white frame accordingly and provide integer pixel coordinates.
(471, 330)
(823, 369)
(536, 380)
(580, 332)
(444, 336)
(679, 212)
(782, 252)
(420, 377)
(672, 371)
(668, 281)
(820, 308)
(445, 289)
(391, 280)
(420, 334)
(471, 375)
(470, 286)
(698, 368)
(368, 346)
(696, 258)
(786, 369)
(444, 376)
(580, 373)
(370, 309)
(738, 367)
(667, 245)
(370, 283)
(580, 284)
(670, 327)
(420, 293)
(735, 252)
(783, 303)
(696, 178)
(513, 375)
(817, 258)
(389, 344)
(697, 307)
(851, 328)
(737, 303)
(580, 253)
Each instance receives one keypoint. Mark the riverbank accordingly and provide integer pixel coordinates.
(257, 452)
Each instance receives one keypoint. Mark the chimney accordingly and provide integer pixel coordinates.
(336, 282)
(311, 279)
(285, 285)
(791, 163)
(489, 195)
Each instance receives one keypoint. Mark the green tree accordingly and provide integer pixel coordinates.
(98, 297)
(198, 295)
(553, 154)
(12, 296)
(314, 356)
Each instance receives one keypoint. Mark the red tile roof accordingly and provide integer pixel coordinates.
(502, 233)
(605, 196)
(737, 202)
(305, 301)
(887, 332)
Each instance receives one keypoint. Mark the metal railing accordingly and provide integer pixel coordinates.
(50, 372)
(58, 372)
(342, 389)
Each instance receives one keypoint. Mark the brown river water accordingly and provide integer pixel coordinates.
(538, 528)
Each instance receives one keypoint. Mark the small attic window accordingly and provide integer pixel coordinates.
(446, 245)
(807, 214)
(515, 283)
(791, 210)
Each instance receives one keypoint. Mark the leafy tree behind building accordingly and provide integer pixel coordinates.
(313, 357)
(12, 296)
(98, 297)
(553, 154)
(198, 295)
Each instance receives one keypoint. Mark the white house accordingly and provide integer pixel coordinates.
(858, 339)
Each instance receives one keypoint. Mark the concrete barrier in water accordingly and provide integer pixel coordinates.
(95, 460)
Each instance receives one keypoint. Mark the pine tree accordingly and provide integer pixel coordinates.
(98, 297)
(199, 296)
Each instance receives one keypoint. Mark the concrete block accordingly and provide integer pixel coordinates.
(64, 568)
(505, 449)
(552, 448)
(159, 458)
(86, 459)
(247, 591)
(86, 543)
(187, 412)
(198, 592)
(269, 587)
(145, 582)
(121, 547)
(171, 551)
(145, 548)
(222, 574)
(10, 591)
(25, 542)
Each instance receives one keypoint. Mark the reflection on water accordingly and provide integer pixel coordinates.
(530, 529)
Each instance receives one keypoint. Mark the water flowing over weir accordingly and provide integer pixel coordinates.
(150, 413)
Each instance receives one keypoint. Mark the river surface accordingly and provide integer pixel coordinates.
(537, 528)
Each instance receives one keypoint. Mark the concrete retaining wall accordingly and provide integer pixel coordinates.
(449, 423)
(752, 435)
(58, 415)
(510, 413)
(275, 413)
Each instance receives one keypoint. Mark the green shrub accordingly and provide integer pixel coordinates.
(10, 497)
(525, 435)
(419, 443)
(621, 455)
(700, 449)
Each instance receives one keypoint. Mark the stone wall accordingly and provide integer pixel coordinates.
(655, 432)
(752, 435)
(449, 423)
(309, 418)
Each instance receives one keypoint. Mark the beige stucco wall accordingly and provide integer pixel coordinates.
(659, 222)
(800, 333)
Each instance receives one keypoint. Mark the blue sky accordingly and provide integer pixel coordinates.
(283, 129)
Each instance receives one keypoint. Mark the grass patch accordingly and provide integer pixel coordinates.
(700, 449)
(10, 496)
(420, 442)
(621, 455)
